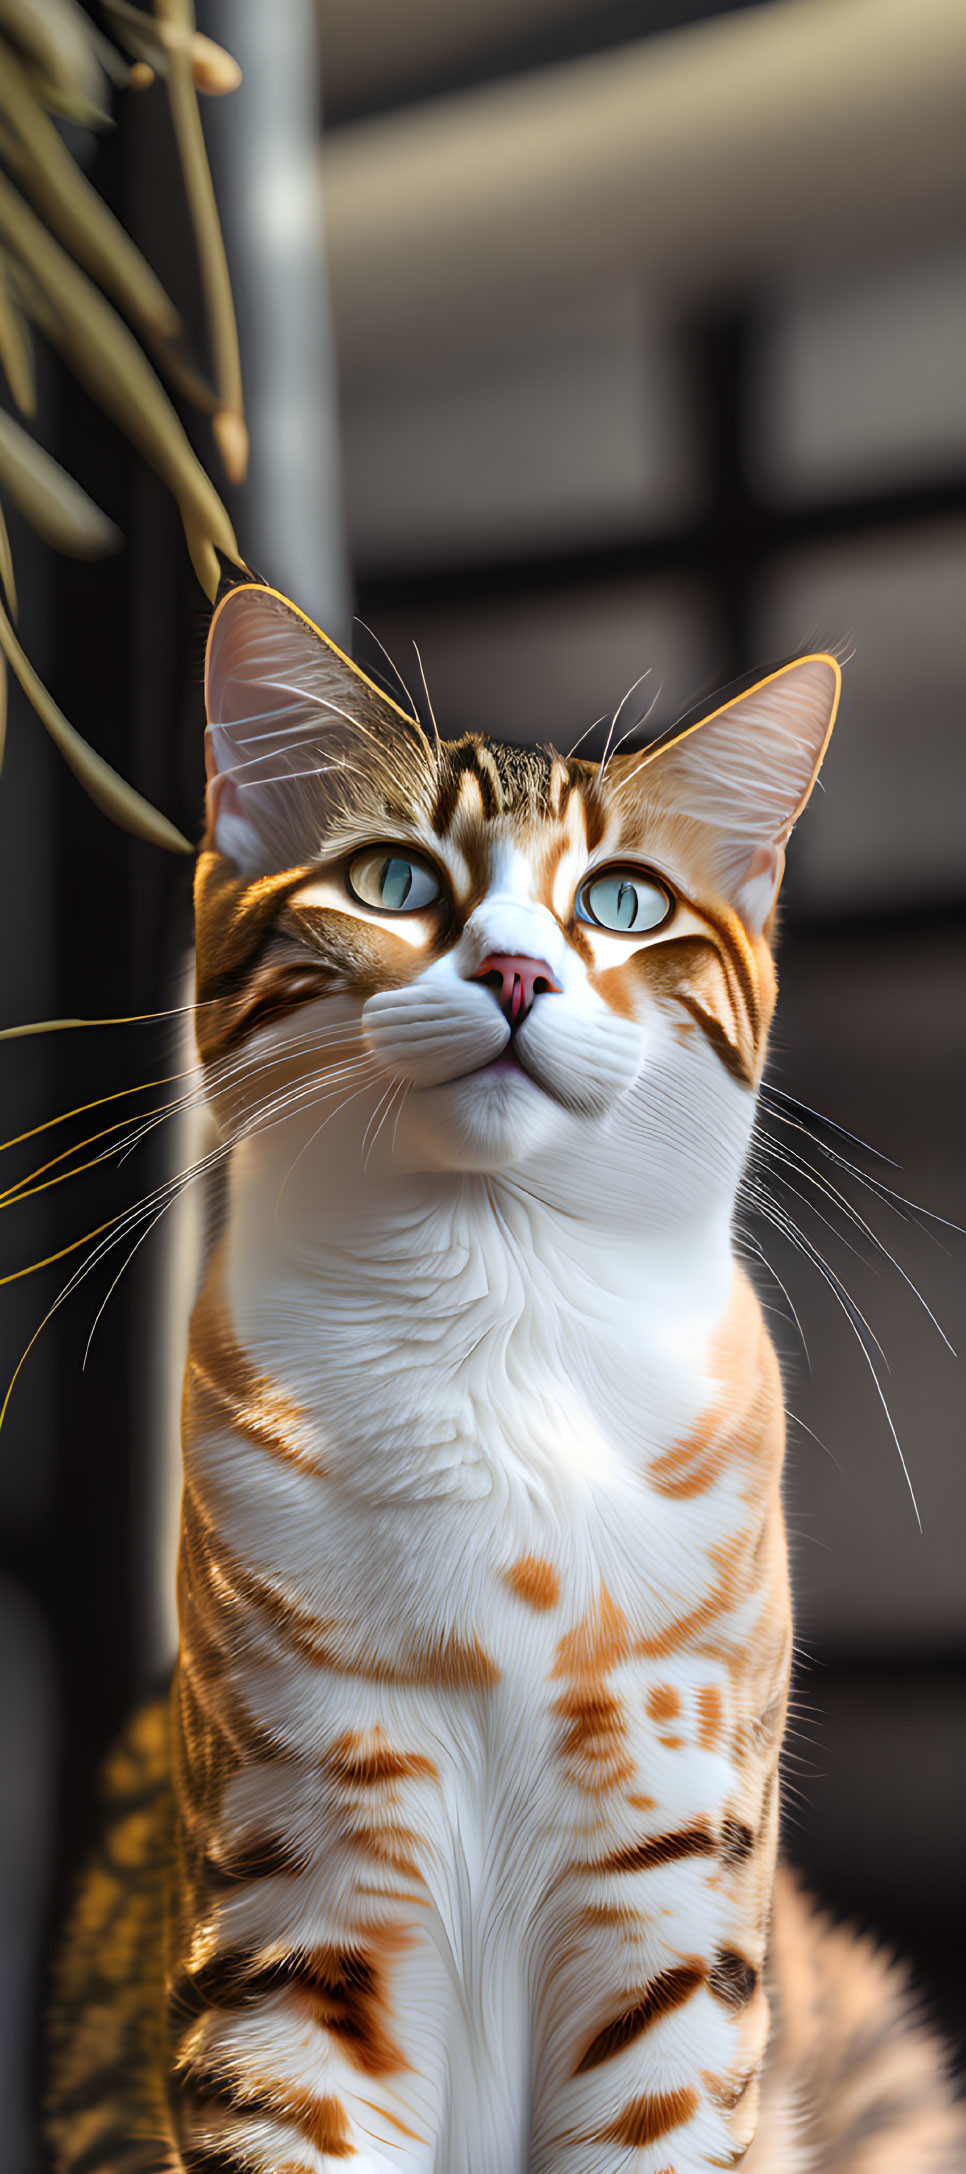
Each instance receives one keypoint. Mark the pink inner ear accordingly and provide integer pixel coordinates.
(222, 797)
(286, 711)
(264, 662)
(760, 884)
(743, 774)
(763, 862)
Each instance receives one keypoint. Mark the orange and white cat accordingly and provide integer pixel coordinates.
(455, 1850)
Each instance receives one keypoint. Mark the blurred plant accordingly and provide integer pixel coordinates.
(68, 268)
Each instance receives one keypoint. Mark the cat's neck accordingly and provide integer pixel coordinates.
(470, 1324)
(450, 1239)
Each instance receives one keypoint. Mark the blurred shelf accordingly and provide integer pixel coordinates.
(760, 533)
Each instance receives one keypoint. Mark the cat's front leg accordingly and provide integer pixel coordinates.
(286, 2064)
(654, 2018)
(298, 1970)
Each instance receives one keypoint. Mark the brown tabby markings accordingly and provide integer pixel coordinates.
(593, 1742)
(364, 1762)
(342, 1990)
(727, 1561)
(645, 2120)
(393, 2120)
(534, 1581)
(216, 1572)
(719, 980)
(660, 1849)
(710, 1709)
(254, 967)
(737, 1426)
(732, 1979)
(235, 917)
(599, 1641)
(223, 1391)
(663, 1702)
(664, 1993)
(320, 2121)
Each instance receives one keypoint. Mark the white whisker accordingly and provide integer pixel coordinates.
(388, 1099)
(393, 666)
(783, 1156)
(632, 689)
(429, 699)
(584, 735)
(774, 1214)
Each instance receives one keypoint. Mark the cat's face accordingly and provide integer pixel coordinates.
(522, 962)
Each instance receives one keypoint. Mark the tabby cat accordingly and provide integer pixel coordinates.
(455, 1845)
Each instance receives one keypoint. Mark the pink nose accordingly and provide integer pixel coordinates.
(515, 983)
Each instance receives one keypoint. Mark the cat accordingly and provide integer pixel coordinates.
(455, 1845)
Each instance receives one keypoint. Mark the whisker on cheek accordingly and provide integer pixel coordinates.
(385, 1106)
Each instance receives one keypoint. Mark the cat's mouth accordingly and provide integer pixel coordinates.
(505, 1065)
(507, 1061)
(511, 1065)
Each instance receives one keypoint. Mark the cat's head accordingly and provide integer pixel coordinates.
(524, 962)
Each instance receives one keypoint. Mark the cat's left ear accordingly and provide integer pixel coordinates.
(746, 771)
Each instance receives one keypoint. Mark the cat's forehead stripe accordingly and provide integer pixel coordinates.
(506, 780)
(488, 767)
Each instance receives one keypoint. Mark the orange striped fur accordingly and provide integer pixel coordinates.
(454, 1848)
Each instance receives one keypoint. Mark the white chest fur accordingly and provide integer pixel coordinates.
(482, 1381)
(481, 1377)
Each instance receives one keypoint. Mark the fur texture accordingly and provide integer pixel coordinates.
(462, 1823)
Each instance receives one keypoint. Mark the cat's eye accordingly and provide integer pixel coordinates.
(392, 880)
(624, 900)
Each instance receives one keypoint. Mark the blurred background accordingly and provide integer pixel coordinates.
(632, 340)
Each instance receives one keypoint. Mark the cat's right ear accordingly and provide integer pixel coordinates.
(289, 716)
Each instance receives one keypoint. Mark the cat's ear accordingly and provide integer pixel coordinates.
(746, 771)
(289, 718)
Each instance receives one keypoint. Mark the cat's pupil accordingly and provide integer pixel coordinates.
(395, 883)
(626, 906)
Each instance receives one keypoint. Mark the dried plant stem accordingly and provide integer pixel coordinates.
(109, 791)
(62, 48)
(177, 16)
(153, 39)
(105, 356)
(45, 168)
(16, 359)
(6, 566)
(39, 1026)
(54, 504)
(34, 151)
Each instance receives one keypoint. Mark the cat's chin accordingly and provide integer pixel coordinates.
(485, 1120)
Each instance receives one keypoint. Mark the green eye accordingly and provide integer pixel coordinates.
(392, 881)
(625, 901)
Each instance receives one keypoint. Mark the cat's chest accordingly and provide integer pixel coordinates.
(477, 1442)
(467, 1348)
